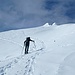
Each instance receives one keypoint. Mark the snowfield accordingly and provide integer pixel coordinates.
(53, 52)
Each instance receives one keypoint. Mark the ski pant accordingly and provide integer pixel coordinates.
(26, 49)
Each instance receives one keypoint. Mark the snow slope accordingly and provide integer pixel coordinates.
(52, 54)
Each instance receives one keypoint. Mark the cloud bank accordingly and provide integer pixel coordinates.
(16, 14)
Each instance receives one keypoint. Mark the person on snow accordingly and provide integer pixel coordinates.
(26, 44)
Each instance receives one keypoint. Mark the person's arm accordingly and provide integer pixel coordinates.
(32, 40)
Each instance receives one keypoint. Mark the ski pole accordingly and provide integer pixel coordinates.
(34, 45)
(22, 49)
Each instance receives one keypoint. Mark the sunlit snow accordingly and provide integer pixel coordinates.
(53, 52)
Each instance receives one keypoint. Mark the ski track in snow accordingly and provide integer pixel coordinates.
(29, 68)
(11, 41)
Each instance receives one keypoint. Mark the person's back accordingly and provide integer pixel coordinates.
(26, 43)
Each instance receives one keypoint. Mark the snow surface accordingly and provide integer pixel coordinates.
(52, 54)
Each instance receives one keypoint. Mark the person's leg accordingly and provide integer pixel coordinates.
(27, 49)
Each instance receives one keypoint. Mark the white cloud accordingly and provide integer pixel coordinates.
(28, 13)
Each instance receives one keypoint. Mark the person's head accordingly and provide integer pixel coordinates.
(28, 38)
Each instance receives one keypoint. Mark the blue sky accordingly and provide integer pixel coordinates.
(17, 14)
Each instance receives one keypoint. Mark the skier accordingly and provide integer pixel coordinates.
(26, 44)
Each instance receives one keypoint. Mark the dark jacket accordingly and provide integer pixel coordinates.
(27, 41)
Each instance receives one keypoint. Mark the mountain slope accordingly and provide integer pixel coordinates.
(54, 53)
